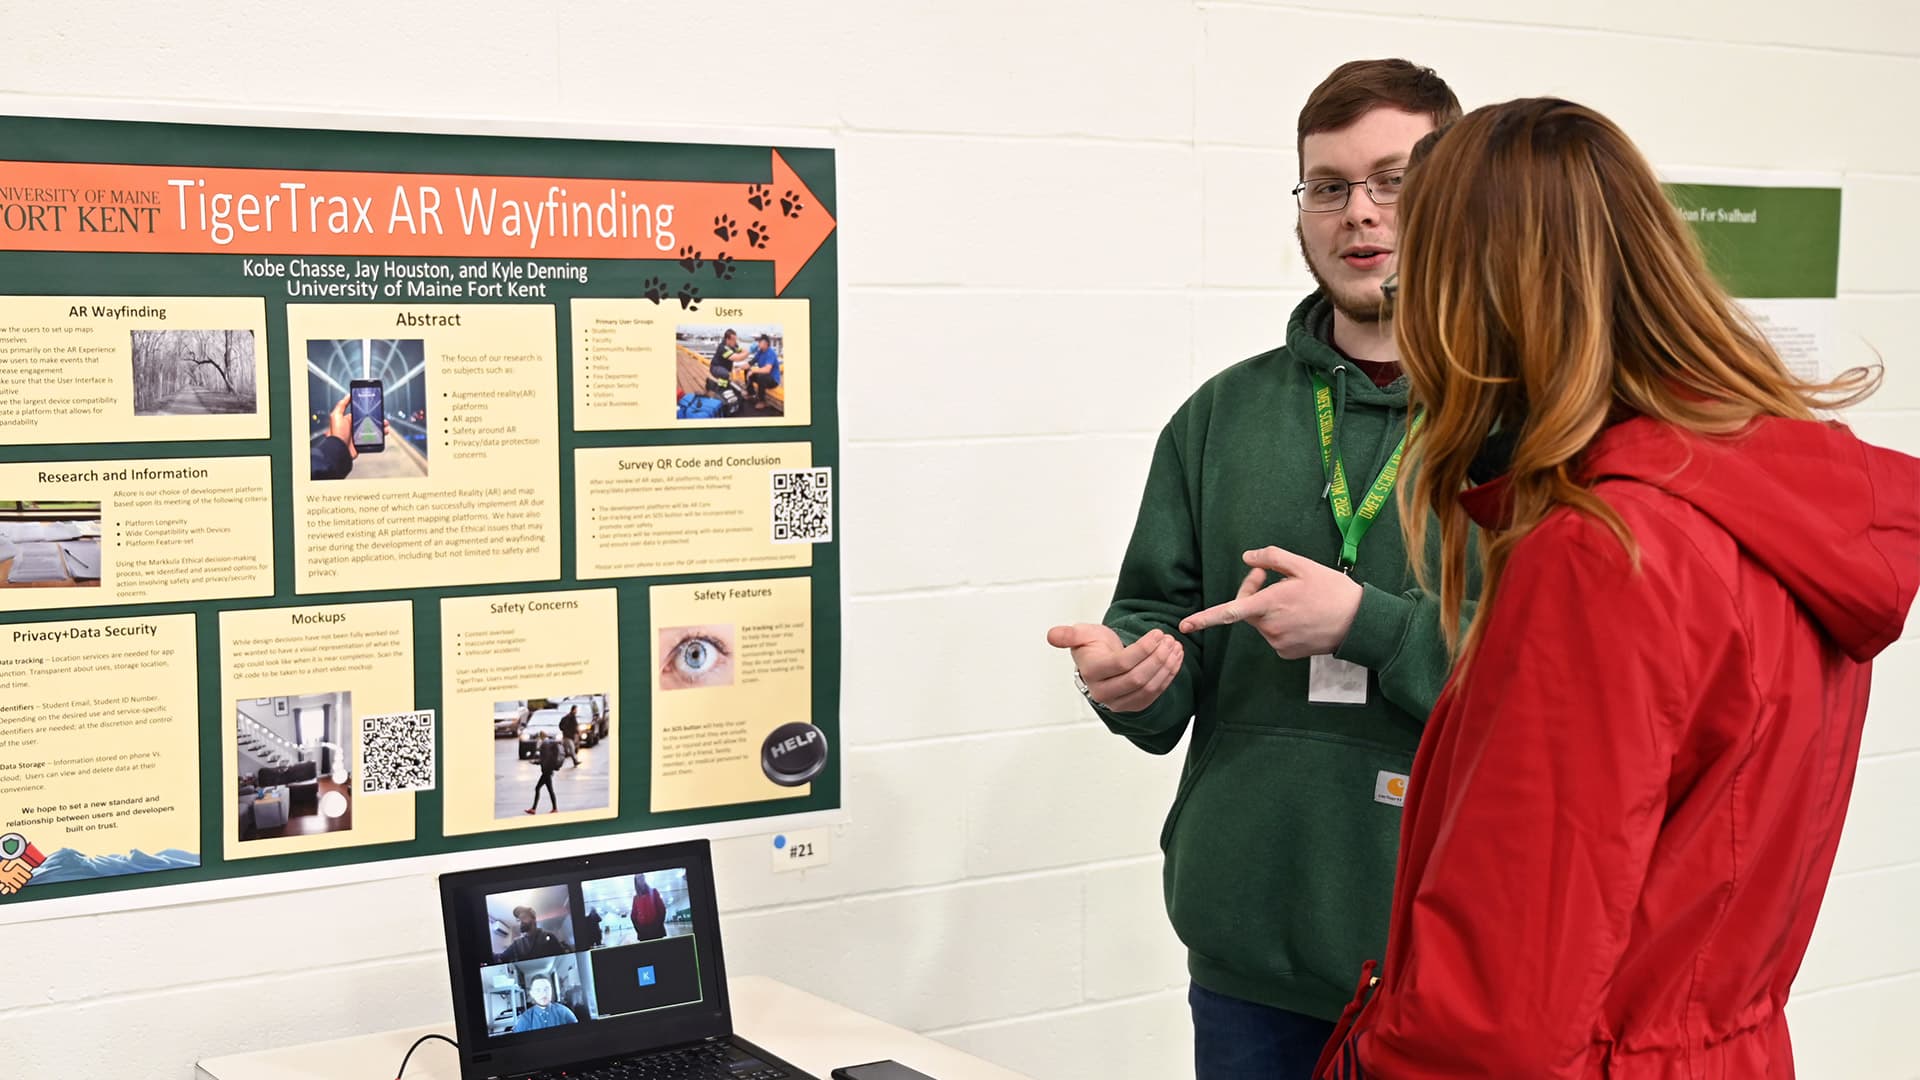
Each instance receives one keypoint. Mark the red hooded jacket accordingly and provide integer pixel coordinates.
(1623, 815)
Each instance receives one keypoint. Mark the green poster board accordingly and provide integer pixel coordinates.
(1774, 243)
(356, 487)
(1766, 242)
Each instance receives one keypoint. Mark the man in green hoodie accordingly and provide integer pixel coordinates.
(1281, 841)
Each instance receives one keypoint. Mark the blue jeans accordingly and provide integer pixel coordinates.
(1243, 1040)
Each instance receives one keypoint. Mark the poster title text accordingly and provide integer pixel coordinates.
(296, 209)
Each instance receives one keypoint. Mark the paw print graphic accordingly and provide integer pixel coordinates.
(759, 196)
(725, 228)
(723, 266)
(654, 289)
(758, 235)
(689, 298)
(790, 205)
(690, 259)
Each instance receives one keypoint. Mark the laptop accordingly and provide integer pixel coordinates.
(595, 966)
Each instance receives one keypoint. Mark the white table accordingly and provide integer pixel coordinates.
(807, 1031)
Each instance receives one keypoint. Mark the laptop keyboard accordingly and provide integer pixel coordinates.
(706, 1061)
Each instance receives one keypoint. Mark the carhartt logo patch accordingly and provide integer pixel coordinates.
(1390, 788)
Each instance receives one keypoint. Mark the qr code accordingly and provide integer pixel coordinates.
(396, 753)
(802, 506)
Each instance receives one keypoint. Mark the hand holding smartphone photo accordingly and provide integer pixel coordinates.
(369, 415)
(367, 408)
(879, 1070)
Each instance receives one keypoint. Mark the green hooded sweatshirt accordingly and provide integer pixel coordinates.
(1281, 842)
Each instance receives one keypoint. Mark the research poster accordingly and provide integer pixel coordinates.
(1773, 240)
(367, 497)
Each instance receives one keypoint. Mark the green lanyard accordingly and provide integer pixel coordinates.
(1352, 525)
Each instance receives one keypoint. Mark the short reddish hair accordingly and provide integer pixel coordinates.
(1357, 87)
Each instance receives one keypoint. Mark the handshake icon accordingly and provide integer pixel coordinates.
(18, 860)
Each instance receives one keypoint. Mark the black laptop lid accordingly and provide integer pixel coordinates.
(572, 960)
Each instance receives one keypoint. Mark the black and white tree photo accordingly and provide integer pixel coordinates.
(193, 372)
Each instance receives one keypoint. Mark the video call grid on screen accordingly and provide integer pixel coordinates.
(591, 949)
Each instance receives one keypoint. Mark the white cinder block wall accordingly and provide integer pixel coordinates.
(1057, 217)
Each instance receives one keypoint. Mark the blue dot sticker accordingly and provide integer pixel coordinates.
(780, 842)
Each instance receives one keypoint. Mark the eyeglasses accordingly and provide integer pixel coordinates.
(1324, 195)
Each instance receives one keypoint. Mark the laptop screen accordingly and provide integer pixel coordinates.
(572, 960)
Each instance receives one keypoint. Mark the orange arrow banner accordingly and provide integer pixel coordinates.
(81, 206)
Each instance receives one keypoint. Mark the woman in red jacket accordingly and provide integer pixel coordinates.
(1624, 810)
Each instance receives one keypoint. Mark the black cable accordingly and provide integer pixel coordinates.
(416, 1046)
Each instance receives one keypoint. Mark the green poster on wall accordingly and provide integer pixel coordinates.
(372, 501)
(1774, 243)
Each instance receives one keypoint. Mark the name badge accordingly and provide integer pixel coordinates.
(1332, 681)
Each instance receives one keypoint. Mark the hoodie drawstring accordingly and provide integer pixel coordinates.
(1339, 408)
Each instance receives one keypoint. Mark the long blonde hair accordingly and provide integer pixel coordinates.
(1548, 289)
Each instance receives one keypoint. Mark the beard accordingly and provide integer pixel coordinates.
(1363, 308)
